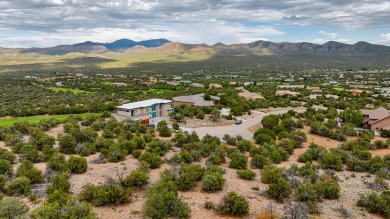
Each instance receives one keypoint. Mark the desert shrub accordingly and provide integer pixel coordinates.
(48, 152)
(163, 200)
(163, 129)
(212, 182)
(108, 193)
(375, 203)
(18, 186)
(86, 149)
(5, 167)
(175, 126)
(58, 163)
(271, 174)
(243, 145)
(77, 164)
(62, 205)
(378, 144)
(59, 182)
(12, 208)
(114, 153)
(12, 139)
(28, 170)
(234, 204)
(67, 144)
(3, 180)
(379, 184)
(376, 164)
(279, 190)
(288, 145)
(385, 133)
(264, 139)
(137, 153)
(138, 177)
(17, 147)
(29, 152)
(214, 169)
(259, 161)
(153, 159)
(357, 164)
(327, 187)
(246, 174)
(188, 174)
(313, 153)
(331, 161)
(307, 193)
(270, 121)
(7, 155)
(238, 161)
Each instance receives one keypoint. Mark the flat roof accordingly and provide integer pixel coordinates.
(142, 104)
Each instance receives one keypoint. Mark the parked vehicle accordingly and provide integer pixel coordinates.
(238, 121)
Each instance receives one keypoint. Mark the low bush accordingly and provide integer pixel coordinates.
(279, 190)
(109, 193)
(5, 167)
(188, 175)
(18, 186)
(77, 164)
(238, 161)
(375, 203)
(234, 204)
(138, 177)
(58, 163)
(212, 182)
(246, 174)
(28, 170)
(59, 182)
(153, 159)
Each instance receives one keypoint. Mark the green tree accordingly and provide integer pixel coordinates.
(12, 208)
(234, 204)
(67, 144)
(352, 116)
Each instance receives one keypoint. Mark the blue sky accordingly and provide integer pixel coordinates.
(43, 23)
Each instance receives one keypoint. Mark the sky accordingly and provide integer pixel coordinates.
(45, 23)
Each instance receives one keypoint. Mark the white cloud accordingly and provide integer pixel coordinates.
(210, 33)
(385, 37)
(329, 35)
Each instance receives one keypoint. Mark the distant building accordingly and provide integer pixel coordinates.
(291, 86)
(145, 111)
(286, 93)
(378, 119)
(313, 89)
(314, 96)
(173, 83)
(195, 100)
(119, 84)
(358, 92)
(215, 86)
(197, 85)
(186, 81)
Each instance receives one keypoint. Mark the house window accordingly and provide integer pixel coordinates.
(133, 113)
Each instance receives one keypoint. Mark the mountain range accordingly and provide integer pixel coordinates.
(163, 46)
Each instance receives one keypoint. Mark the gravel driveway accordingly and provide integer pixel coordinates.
(234, 130)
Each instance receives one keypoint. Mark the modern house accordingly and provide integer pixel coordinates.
(215, 86)
(358, 92)
(197, 85)
(145, 111)
(378, 119)
(195, 100)
(286, 93)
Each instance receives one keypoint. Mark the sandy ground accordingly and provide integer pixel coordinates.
(99, 173)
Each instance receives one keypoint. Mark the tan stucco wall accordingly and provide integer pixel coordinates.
(379, 125)
(178, 103)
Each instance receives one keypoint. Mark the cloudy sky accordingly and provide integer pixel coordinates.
(43, 23)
